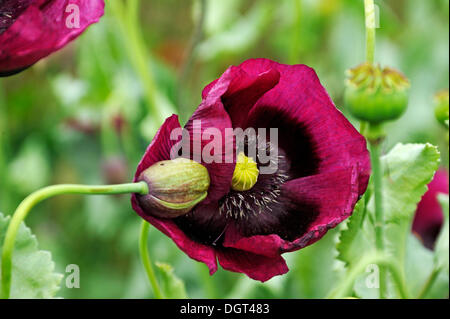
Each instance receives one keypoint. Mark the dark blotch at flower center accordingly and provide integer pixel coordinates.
(10, 10)
(265, 192)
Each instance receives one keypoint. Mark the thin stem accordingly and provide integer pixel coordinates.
(145, 257)
(345, 287)
(31, 200)
(296, 40)
(190, 52)
(429, 283)
(369, 11)
(4, 152)
(378, 197)
(128, 21)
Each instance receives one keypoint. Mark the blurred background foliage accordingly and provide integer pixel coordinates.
(82, 116)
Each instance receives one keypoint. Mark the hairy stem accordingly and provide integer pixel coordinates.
(145, 258)
(345, 287)
(377, 175)
(38, 196)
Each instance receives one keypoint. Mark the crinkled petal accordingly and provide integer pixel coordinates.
(330, 208)
(268, 245)
(209, 118)
(43, 29)
(225, 105)
(304, 113)
(243, 92)
(333, 204)
(255, 266)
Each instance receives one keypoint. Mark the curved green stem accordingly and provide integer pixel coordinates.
(345, 287)
(31, 200)
(369, 11)
(145, 257)
(429, 283)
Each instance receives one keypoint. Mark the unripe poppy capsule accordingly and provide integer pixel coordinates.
(175, 187)
(376, 95)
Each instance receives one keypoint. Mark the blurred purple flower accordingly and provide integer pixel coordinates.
(429, 217)
(323, 169)
(32, 29)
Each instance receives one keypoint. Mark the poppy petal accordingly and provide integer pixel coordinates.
(255, 266)
(45, 27)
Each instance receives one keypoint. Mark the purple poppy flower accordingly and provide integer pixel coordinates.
(429, 217)
(32, 29)
(323, 168)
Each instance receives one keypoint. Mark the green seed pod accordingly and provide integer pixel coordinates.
(441, 107)
(376, 95)
(175, 187)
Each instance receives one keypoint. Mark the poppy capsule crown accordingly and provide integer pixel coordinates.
(175, 187)
(376, 95)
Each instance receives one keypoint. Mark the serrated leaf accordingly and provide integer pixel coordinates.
(441, 251)
(33, 273)
(355, 237)
(408, 168)
(172, 286)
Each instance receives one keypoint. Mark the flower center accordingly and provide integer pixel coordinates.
(245, 173)
(253, 192)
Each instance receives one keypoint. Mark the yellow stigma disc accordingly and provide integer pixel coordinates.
(245, 173)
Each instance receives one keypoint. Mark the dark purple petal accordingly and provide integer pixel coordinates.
(255, 266)
(193, 249)
(265, 245)
(243, 92)
(158, 150)
(312, 130)
(10, 10)
(41, 29)
(306, 226)
(160, 147)
(204, 224)
(333, 204)
(211, 114)
(429, 216)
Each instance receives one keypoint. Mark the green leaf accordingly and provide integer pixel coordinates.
(418, 264)
(355, 236)
(33, 273)
(441, 251)
(172, 286)
(408, 168)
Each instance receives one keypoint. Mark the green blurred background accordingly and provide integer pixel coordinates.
(82, 116)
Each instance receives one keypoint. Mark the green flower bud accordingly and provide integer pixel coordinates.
(376, 95)
(441, 107)
(175, 187)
